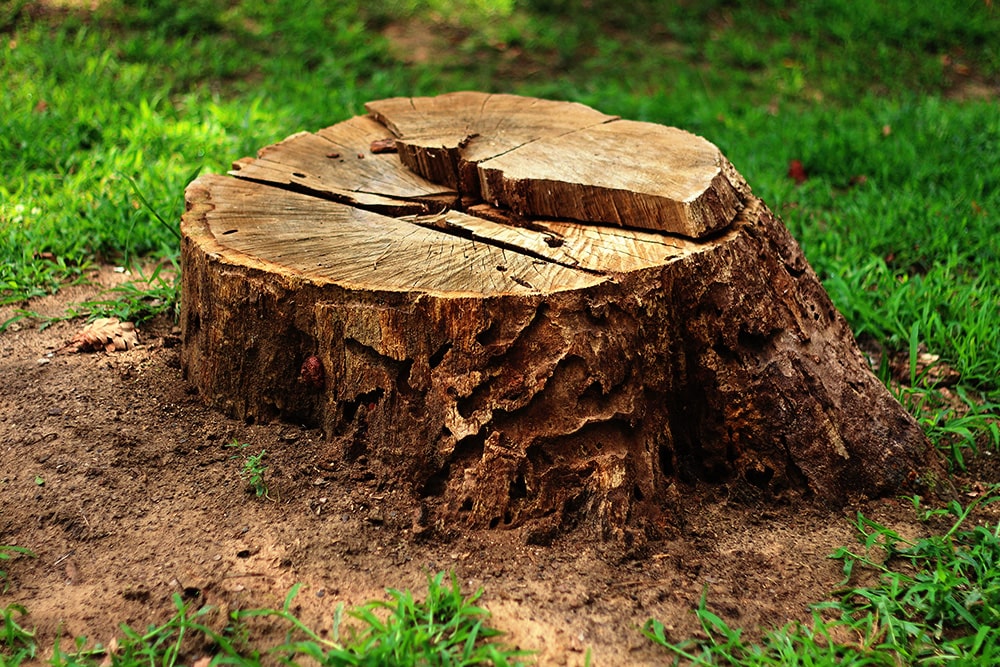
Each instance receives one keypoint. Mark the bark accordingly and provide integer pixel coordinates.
(519, 357)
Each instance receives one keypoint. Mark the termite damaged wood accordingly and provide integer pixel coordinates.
(532, 313)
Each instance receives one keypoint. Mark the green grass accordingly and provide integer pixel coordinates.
(936, 601)
(17, 644)
(446, 628)
(252, 468)
(152, 92)
(106, 115)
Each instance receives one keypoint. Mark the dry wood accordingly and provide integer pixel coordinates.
(522, 368)
(550, 159)
(444, 137)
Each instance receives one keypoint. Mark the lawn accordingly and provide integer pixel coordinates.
(871, 128)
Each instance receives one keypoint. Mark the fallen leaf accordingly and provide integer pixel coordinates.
(797, 172)
(110, 652)
(928, 368)
(105, 333)
(203, 661)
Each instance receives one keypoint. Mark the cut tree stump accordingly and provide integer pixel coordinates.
(531, 313)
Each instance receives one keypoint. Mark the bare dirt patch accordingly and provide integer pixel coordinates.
(119, 479)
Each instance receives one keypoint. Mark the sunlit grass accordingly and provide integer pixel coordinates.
(446, 628)
(106, 115)
(936, 601)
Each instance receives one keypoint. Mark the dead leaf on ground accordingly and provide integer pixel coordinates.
(105, 333)
(110, 652)
(928, 368)
(797, 172)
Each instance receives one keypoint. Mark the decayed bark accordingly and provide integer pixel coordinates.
(513, 367)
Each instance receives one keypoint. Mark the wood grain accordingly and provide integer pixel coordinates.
(532, 315)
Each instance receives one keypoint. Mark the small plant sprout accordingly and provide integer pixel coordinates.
(253, 469)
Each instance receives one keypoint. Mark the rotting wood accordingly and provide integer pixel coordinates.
(517, 368)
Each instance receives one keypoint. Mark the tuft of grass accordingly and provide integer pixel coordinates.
(938, 598)
(936, 601)
(446, 628)
(137, 300)
(167, 644)
(17, 644)
(958, 431)
(792, 645)
(958, 421)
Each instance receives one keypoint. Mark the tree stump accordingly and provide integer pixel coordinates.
(530, 312)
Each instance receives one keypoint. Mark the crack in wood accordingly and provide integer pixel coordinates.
(441, 223)
(550, 248)
(437, 220)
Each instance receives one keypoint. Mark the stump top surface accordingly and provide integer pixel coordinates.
(469, 194)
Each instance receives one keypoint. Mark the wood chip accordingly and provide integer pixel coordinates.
(387, 145)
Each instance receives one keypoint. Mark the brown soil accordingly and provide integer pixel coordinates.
(119, 479)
